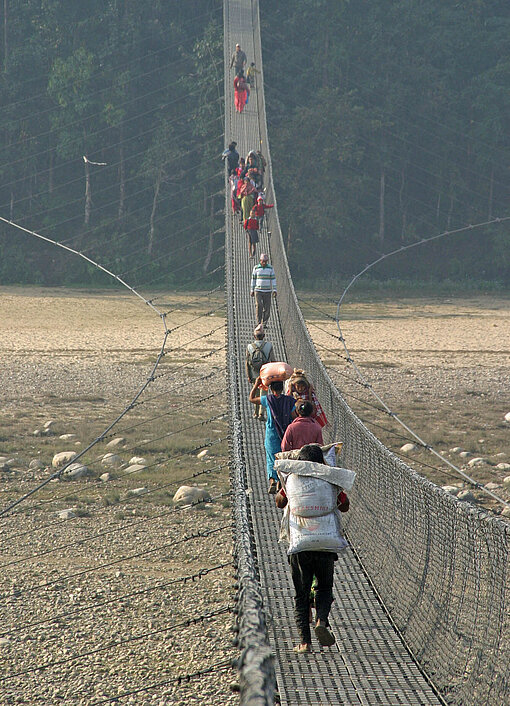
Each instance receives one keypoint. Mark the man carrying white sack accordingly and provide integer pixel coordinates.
(312, 496)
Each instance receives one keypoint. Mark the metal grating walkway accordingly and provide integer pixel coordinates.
(369, 663)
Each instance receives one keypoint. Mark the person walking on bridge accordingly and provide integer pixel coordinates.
(263, 287)
(258, 353)
(303, 430)
(312, 495)
(279, 408)
(238, 60)
(240, 91)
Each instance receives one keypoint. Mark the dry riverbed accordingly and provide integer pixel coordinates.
(108, 587)
(126, 591)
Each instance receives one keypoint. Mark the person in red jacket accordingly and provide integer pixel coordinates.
(240, 91)
(303, 430)
(260, 208)
(251, 226)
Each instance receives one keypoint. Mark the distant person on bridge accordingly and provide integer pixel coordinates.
(247, 193)
(232, 157)
(260, 208)
(279, 408)
(303, 430)
(263, 287)
(258, 354)
(240, 91)
(252, 169)
(251, 226)
(314, 539)
(251, 73)
(239, 59)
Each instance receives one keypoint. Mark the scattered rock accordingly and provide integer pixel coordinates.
(111, 460)
(507, 417)
(66, 514)
(138, 460)
(452, 489)
(36, 464)
(203, 453)
(188, 494)
(67, 437)
(4, 642)
(49, 424)
(503, 466)
(137, 491)
(456, 450)
(4, 468)
(492, 486)
(465, 454)
(466, 496)
(105, 477)
(134, 468)
(478, 461)
(37, 432)
(62, 458)
(505, 512)
(75, 471)
(119, 441)
(407, 448)
(506, 481)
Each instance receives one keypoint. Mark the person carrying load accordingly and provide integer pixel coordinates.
(312, 496)
(258, 354)
(279, 408)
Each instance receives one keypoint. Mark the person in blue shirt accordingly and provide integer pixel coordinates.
(279, 409)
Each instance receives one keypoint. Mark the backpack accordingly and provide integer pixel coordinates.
(258, 356)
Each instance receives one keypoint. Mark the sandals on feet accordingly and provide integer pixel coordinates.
(324, 636)
(302, 649)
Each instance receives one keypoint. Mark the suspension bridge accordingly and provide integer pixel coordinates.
(421, 596)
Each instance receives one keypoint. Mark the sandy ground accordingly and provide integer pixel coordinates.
(129, 591)
(84, 594)
(441, 365)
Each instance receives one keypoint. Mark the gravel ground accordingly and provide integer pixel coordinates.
(131, 593)
(97, 605)
(443, 367)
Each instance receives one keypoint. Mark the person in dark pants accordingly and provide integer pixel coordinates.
(305, 565)
(263, 288)
(232, 157)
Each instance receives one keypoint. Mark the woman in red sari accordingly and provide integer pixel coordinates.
(240, 91)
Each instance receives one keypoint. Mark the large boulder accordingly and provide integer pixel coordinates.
(36, 464)
(134, 468)
(111, 460)
(119, 441)
(75, 471)
(407, 448)
(62, 458)
(187, 494)
(478, 461)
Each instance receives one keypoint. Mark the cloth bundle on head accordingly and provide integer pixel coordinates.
(298, 376)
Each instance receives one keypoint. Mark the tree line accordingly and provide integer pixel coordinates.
(389, 124)
(110, 130)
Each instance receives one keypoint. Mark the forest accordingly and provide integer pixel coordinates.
(111, 133)
(388, 124)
